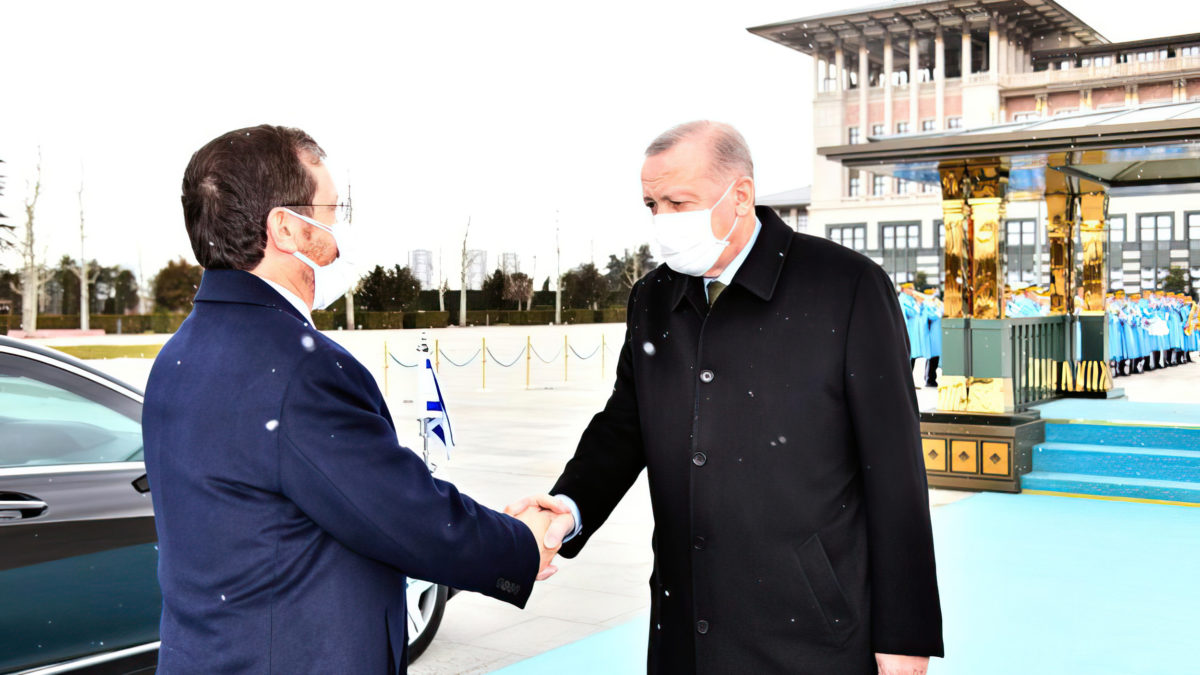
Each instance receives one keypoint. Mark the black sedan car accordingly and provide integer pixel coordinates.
(78, 555)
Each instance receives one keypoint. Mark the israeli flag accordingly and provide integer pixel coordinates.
(434, 418)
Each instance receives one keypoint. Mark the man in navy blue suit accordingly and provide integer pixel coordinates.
(288, 514)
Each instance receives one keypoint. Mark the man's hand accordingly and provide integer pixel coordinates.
(895, 664)
(561, 523)
(538, 521)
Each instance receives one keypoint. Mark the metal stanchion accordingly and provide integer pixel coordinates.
(483, 354)
(385, 368)
(565, 358)
(528, 357)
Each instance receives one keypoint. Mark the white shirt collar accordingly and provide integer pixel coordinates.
(735, 264)
(292, 298)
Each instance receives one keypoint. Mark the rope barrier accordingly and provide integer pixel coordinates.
(585, 358)
(503, 364)
(463, 364)
(550, 360)
(401, 363)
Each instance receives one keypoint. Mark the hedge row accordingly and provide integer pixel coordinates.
(169, 323)
(109, 323)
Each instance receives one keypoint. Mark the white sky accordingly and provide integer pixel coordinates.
(504, 112)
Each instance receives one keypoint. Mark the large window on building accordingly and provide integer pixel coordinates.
(854, 187)
(851, 236)
(901, 242)
(953, 122)
(1116, 244)
(902, 127)
(802, 221)
(876, 129)
(927, 125)
(1021, 251)
(1192, 51)
(877, 185)
(854, 137)
(1154, 235)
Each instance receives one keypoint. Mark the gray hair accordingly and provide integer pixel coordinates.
(730, 153)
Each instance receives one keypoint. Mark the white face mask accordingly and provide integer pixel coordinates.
(334, 280)
(686, 242)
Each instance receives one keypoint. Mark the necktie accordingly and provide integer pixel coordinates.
(714, 289)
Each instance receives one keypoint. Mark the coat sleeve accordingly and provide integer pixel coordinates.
(905, 609)
(609, 456)
(341, 464)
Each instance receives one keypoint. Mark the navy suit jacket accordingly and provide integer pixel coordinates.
(288, 515)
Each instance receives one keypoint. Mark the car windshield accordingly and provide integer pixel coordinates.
(41, 423)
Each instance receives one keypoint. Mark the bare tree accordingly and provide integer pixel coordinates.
(462, 289)
(467, 258)
(558, 270)
(350, 291)
(83, 270)
(32, 276)
(443, 285)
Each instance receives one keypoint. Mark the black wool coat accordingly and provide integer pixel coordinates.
(781, 435)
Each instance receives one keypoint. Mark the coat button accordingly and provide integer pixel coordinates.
(702, 626)
(698, 543)
(706, 376)
(699, 459)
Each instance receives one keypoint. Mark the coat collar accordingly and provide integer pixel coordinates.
(236, 286)
(759, 272)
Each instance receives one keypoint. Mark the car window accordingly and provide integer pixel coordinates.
(52, 416)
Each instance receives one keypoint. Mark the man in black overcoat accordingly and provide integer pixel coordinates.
(764, 384)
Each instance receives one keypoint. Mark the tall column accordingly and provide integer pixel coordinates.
(1060, 226)
(864, 89)
(989, 186)
(993, 45)
(1001, 47)
(839, 60)
(914, 84)
(966, 50)
(956, 220)
(1010, 52)
(888, 66)
(818, 76)
(953, 387)
(939, 76)
(1092, 370)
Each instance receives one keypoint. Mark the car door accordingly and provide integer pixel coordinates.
(77, 544)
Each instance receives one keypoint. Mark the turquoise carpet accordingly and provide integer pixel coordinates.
(1030, 584)
(1121, 411)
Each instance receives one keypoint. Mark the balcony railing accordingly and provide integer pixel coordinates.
(1046, 78)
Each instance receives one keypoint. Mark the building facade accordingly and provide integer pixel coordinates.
(908, 68)
(477, 269)
(510, 263)
(420, 262)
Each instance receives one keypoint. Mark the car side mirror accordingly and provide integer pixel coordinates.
(142, 483)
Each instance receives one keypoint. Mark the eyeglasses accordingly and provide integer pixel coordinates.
(341, 211)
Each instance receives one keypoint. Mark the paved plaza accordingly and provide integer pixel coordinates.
(513, 441)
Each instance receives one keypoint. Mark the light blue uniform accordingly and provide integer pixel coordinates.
(916, 325)
(931, 309)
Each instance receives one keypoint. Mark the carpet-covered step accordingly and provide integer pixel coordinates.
(1112, 486)
(1118, 461)
(1140, 436)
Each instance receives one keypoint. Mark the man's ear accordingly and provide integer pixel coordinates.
(743, 193)
(282, 232)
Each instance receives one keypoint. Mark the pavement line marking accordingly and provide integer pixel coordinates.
(1110, 498)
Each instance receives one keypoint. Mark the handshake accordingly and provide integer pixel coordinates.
(550, 521)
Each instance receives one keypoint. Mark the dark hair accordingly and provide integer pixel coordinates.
(233, 182)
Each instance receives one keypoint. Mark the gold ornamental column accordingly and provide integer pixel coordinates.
(956, 289)
(956, 219)
(1060, 230)
(987, 199)
(1092, 371)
